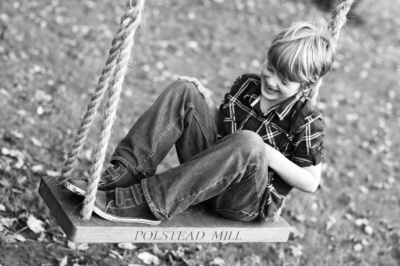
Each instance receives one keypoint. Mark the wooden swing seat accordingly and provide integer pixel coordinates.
(197, 224)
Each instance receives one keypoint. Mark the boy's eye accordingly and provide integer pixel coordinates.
(270, 69)
(285, 82)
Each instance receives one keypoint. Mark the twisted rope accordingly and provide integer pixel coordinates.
(130, 21)
(339, 17)
(97, 97)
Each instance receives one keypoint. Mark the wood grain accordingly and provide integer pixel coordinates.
(196, 224)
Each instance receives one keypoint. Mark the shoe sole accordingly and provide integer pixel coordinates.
(75, 189)
(79, 191)
(124, 220)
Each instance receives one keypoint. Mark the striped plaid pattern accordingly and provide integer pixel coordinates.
(294, 127)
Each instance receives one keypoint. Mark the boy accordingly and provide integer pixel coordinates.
(240, 158)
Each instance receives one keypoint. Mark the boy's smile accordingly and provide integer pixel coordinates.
(275, 90)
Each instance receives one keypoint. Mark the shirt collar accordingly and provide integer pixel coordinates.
(284, 108)
(281, 109)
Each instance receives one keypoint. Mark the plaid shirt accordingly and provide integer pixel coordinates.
(294, 127)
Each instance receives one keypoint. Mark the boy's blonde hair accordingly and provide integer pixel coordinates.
(303, 53)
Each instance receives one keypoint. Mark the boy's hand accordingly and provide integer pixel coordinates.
(204, 91)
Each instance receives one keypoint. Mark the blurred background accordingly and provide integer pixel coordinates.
(52, 53)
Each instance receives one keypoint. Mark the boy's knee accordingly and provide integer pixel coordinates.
(249, 140)
(181, 86)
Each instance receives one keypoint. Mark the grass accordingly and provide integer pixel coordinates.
(52, 52)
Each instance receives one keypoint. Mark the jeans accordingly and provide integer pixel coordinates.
(229, 174)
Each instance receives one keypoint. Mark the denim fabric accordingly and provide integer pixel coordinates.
(230, 174)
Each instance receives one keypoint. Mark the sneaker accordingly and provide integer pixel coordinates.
(124, 205)
(77, 186)
(117, 175)
(114, 176)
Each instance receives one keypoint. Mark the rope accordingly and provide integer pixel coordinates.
(97, 97)
(130, 21)
(339, 17)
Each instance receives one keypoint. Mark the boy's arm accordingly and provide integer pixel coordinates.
(306, 179)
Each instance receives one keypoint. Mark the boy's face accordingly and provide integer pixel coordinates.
(273, 88)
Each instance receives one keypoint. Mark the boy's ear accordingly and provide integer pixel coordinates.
(310, 85)
(307, 85)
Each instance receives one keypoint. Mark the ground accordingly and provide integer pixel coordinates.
(52, 53)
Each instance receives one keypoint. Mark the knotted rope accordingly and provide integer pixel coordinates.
(111, 80)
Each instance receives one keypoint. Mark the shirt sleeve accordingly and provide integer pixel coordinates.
(234, 89)
(227, 108)
(231, 113)
(308, 140)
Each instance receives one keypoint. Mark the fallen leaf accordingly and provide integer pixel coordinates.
(7, 222)
(364, 74)
(22, 112)
(52, 173)
(331, 221)
(364, 242)
(37, 168)
(296, 233)
(300, 217)
(14, 154)
(42, 237)
(377, 185)
(363, 189)
(36, 142)
(72, 245)
(40, 110)
(5, 183)
(348, 216)
(20, 238)
(358, 247)
(148, 258)
(35, 224)
(314, 206)
(297, 250)
(128, 246)
(252, 260)
(9, 239)
(156, 250)
(17, 134)
(368, 230)
(361, 221)
(42, 96)
(193, 45)
(2, 208)
(21, 180)
(217, 262)
(116, 255)
(63, 261)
